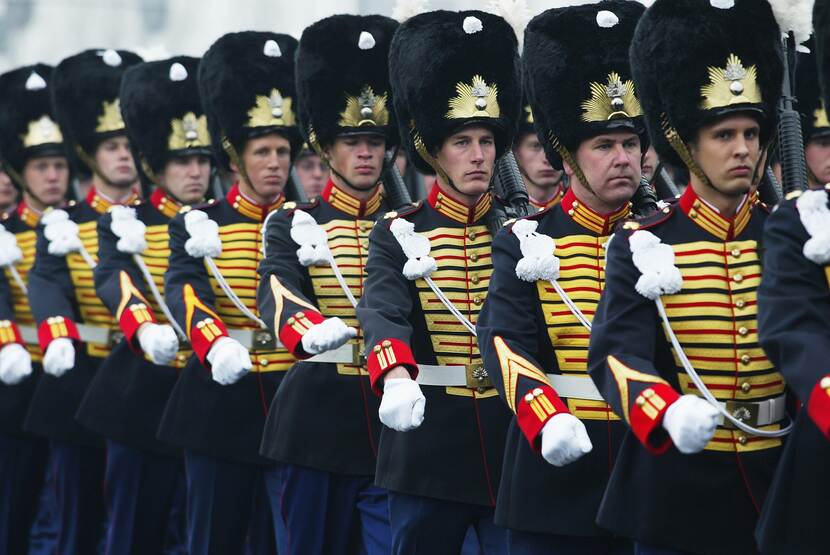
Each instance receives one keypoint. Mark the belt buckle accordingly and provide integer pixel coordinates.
(746, 412)
(114, 337)
(264, 340)
(477, 377)
(358, 357)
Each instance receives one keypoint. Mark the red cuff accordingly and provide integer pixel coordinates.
(56, 327)
(385, 355)
(291, 334)
(535, 409)
(818, 407)
(9, 333)
(132, 318)
(204, 334)
(646, 417)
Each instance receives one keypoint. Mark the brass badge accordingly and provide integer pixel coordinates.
(611, 100)
(365, 109)
(529, 115)
(820, 116)
(731, 85)
(476, 100)
(188, 132)
(271, 110)
(110, 118)
(42, 131)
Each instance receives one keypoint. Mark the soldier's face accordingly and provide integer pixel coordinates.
(358, 158)
(47, 178)
(469, 157)
(728, 152)
(313, 174)
(817, 154)
(115, 160)
(534, 164)
(611, 164)
(186, 178)
(267, 161)
(8, 194)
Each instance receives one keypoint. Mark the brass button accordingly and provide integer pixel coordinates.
(571, 212)
(640, 401)
(386, 343)
(182, 358)
(472, 235)
(236, 205)
(437, 204)
(376, 349)
(263, 362)
(474, 280)
(738, 278)
(576, 204)
(290, 321)
(529, 398)
(298, 315)
(693, 215)
(477, 300)
(746, 359)
(743, 331)
(825, 382)
(474, 257)
(746, 387)
(364, 226)
(740, 303)
(743, 440)
(537, 392)
(736, 253)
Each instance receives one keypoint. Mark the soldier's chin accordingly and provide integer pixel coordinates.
(735, 187)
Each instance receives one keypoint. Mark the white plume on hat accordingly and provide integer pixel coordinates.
(35, 82)
(178, 72)
(472, 25)
(111, 57)
(366, 41)
(272, 49)
(795, 16)
(514, 12)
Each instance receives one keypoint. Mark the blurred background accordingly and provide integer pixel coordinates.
(49, 30)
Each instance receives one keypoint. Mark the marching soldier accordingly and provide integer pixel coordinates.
(455, 79)
(75, 330)
(217, 408)
(793, 316)
(542, 181)
(322, 426)
(548, 272)
(124, 403)
(815, 126)
(33, 153)
(312, 172)
(674, 346)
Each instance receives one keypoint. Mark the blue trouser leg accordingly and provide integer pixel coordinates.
(43, 535)
(22, 469)
(79, 473)
(528, 543)
(274, 488)
(261, 540)
(139, 489)
(645, 549)
(175, 539)
(373, 509)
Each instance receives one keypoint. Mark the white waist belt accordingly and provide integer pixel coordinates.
(575, 387)
(88, 333)
(756, 413)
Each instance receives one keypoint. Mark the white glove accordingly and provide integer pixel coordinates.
(15, 363)
(62, 233)
(159, 341)
(564, 439)
(10, 253)
(59, 357)
(402, 405)
(129, 230)
(327, 335)
(691, 423)
(229, 360)
(204, 235)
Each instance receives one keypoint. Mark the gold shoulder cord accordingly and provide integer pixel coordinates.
(421, 148)
(567, 157)
(91, 163)
(230, 150)
(673, 138)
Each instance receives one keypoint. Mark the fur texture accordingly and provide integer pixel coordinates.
(808, 94)
(821, 23)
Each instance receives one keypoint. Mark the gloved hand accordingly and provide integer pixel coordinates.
(159, 341)
(402, 405)
(691, 423)
(327, 335)
(564, 439)
(229, 360)
(15, 363)
(59, 357)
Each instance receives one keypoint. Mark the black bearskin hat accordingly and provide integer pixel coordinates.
(343, 78)
(246, 81)
(808, 94)
(821, 24)
(449, 69)
(694, 62)
(525, 118)
(160, 104)
(85, 89)
(577, 74)
(27, 127)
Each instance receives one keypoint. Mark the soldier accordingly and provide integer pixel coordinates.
(217, 408)
(311, 279)
(33, 152)
(552, 266)
(75, 330)
(815, 126)
(674, 346)
(8, 193)
(455, 78)
(312, 172)
(542, 181)
(144, 477)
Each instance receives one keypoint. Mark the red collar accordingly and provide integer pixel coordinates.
(349, 204)
(164, 203)
(455, 210)
(27, 214)
(601, 224)
(101, 204)
(248, 207)
(552, 201)
(708, 218)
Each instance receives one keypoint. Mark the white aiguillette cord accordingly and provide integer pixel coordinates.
(571, 305)
(17, 279)
(451, 307)
(217, 274)
(159, 299)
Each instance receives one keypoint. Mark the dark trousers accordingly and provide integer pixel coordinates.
(422, 525)
(22, 471)
(645, 549)
(79, 476)
(527, 543)
(140, 492)
(43, 536)
(227, 509)
(325, 513)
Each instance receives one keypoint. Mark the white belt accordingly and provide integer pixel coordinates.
(575, 387)
(88, 333)
(756, 413)
(471, 375)
(344, 354)
(265, 340)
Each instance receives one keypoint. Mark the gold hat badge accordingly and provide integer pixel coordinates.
(731, 85)
(188, 132)
(475, 100)
(110, 118)
(612, 100)
(529, 117)
(366, 109)
(820, 116)
(42, 131)
(271, 110)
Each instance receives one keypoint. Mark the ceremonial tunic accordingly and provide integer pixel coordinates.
(126, 398)
(706, 502)
(794, 321)
(223, 421)
(324, 415)
(525, 331)
(455, 454)
(551, 202)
